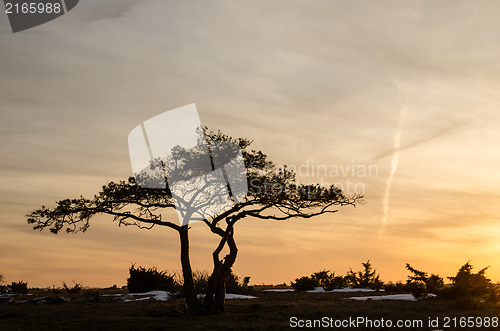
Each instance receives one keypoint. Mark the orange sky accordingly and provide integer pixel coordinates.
(312, 83)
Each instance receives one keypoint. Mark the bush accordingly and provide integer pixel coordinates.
(367, 278)
(145, 280)
(305, 284)
(233, 284)
(200, 281)
(328, 280)
(3, 288)
(337, 282)
(469, 289)
(395, 287)
(323, 278)
(19, 287)
(91, 295)
(419, 284)
(435, 284)
(201, 278)
(77, 288)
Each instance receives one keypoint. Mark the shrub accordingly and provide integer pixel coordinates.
(328, 280)
(77, 288)
(19, 287)
(395, 287)
(419, 283)
(144, 280)
(3, 288)
(305, 284)
(337, 282)
(233, 284)
(323, 278)
(200, 281)
(92, 295)
(435, 284)
(367, 278)
(416, 289)
(469, 289)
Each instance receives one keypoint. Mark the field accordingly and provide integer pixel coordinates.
(269, 311)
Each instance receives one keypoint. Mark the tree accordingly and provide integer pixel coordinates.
(420, 283)
(367, 278)
(272, 195)
(470, 289)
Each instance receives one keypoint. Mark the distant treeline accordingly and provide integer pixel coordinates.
(467, 289)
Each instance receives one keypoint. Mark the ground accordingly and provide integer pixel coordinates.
(269, 311)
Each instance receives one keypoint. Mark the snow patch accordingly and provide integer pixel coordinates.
(156, 295)
(351, 289)
(340, 290)
(230, 296)
(239, 296)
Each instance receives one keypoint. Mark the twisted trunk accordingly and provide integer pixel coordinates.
(216, 287)
(216, 291)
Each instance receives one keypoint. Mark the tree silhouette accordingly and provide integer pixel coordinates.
(272, 195)
(420, 283)
(367, 278)
(471, 289)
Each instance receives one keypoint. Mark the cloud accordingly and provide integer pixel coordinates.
(304, 80)
(106, 10)
(422, 141)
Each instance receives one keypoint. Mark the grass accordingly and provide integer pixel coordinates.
(270, 311)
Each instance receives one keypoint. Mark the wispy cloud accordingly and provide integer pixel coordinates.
(111, 10)
(416, 143)
(404, 90)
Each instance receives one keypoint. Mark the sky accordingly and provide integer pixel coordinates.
(408, 89)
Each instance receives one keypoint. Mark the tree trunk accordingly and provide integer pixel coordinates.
(216, 292)
(213, 283)
(188, 289)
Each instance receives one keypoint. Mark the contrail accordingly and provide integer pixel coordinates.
(405, 90)
(449, 129)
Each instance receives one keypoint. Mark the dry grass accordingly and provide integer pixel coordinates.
(270, 311)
